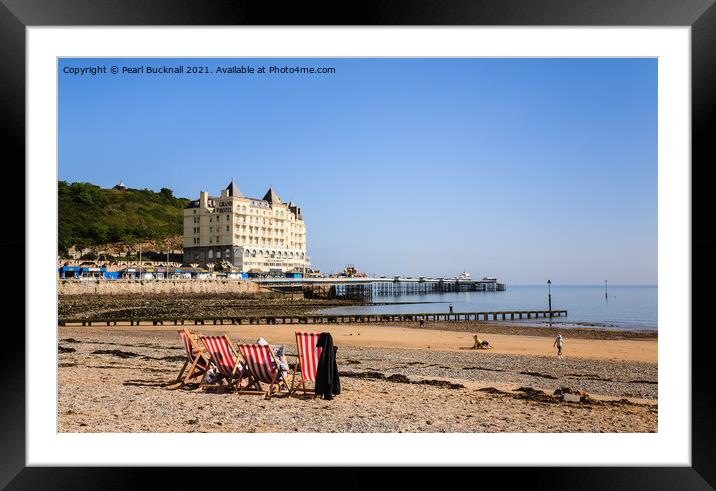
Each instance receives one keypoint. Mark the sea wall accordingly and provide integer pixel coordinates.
(125, 287)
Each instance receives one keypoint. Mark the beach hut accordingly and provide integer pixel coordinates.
(178, 273)
(233, 275)
(129, 273)
(89, 272)
(69, 272)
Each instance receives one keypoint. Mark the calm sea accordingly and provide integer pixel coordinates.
(627, 307)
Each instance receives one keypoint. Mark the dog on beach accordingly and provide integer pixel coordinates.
(480, 343)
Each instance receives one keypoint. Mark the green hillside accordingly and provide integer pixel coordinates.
(89, 215)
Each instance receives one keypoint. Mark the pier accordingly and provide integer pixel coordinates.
(367, 288)
(324, 318)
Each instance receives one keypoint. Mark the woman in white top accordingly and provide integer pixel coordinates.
(559, 342)
(279, 351)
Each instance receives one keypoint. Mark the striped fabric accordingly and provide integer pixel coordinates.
(219, 348)
(308, 354)
(259, 362)
(190, 349)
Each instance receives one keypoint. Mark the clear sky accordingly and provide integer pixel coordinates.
(524, 169)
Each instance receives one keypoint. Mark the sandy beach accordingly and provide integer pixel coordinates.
(393, 378)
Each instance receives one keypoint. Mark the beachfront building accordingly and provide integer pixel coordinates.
(251, 235)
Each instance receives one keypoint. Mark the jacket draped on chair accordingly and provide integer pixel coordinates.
(328, 381)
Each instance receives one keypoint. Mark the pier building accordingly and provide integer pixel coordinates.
(260, 235)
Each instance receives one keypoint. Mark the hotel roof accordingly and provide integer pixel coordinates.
(271, 196)
(233, 189)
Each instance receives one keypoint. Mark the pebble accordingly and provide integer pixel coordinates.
(113, 394)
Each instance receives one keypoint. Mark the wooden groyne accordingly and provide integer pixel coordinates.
(323, 318)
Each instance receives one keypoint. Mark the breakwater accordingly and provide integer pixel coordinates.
(324, 319)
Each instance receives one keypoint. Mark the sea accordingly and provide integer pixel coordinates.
(627, 307)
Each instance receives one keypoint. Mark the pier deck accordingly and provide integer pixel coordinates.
(323, 318)
(366, 288)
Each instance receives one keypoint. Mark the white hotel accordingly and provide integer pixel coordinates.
(263, 235)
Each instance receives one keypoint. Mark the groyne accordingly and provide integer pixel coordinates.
(325, 318)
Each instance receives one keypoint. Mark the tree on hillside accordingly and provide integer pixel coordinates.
(89, 215)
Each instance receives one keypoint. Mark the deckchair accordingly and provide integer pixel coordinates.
(262, 366)
(197, 360)
(307, 363)
(225, 359)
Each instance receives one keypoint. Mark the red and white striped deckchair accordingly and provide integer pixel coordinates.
(197, 360)
(307, 363)
(224, 359)
(262, 366)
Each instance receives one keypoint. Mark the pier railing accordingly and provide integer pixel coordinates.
(322, 318)
(367, 288)
(397, 288)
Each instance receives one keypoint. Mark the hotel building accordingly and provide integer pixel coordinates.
(264, 235)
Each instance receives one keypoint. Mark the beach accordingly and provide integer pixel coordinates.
(394, 378)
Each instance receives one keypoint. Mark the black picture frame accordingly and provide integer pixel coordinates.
(700, 15)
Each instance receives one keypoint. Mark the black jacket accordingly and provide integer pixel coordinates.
(328, 382)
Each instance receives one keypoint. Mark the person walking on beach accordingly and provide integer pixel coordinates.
(559, 342)
(450, 307)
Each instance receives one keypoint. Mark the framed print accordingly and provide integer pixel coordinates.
(433, 235)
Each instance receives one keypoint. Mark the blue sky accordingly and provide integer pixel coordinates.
(524, 169)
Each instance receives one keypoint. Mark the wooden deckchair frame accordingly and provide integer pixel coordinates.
(299, 367)
(194, 370)
(232, 382)
(277, 382)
